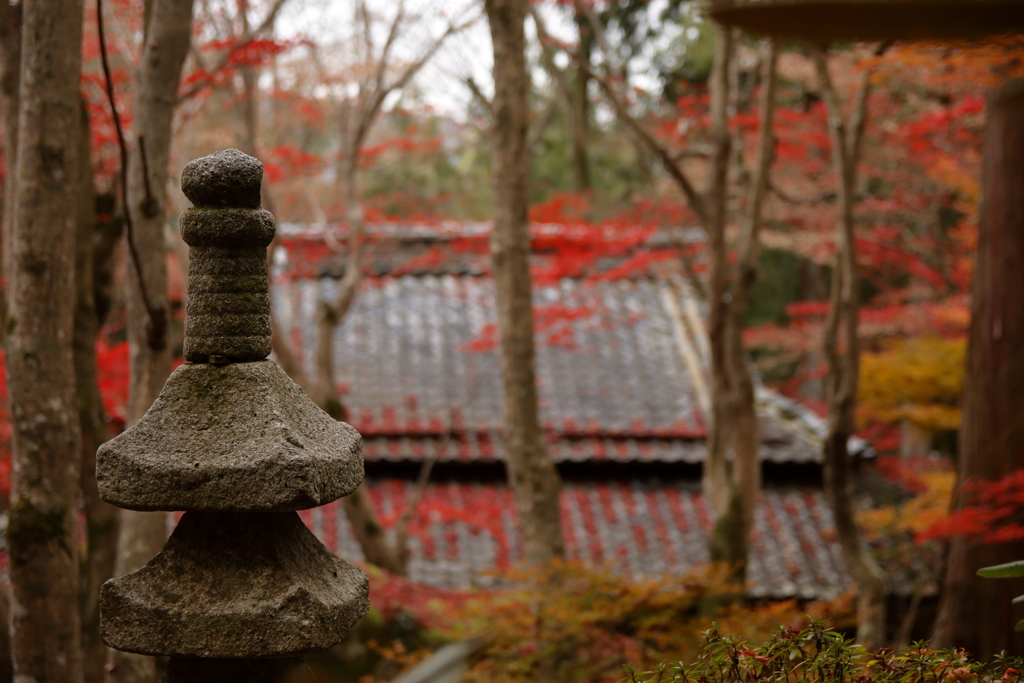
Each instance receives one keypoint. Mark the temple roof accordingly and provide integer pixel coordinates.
(643, 528)
(420, 376)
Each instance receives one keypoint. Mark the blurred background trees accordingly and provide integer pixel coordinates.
(839, 193)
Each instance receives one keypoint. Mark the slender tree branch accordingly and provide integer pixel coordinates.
(363, 15)
(366, 113)
(600, 37)
(474, 88)
(547, 53)
(747, 265)
(541, 122)
(381, 93)
(198, 56)
(157, 317)
(385, 52)
(693, 197)
(858, 119)
(225, 56)
(843, 362)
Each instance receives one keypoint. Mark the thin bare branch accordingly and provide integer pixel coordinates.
(376, 101)
(474, 88)
(859, 116)
(225, 56)
(617, 101)
(198, 56)
(765, 154)
(363, 16)
(547, 52)
(586, 10)
(385, 53)
(157, 337)
(540, 123)
(693, 197)
(843, 359)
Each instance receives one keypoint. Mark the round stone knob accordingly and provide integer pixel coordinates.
(224, 178)
(227, 318)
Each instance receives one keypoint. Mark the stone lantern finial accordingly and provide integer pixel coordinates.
(233, 595)
(228, 284)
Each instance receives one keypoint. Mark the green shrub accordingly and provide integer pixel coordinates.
(817, 654)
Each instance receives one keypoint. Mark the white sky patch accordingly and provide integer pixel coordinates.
(441, 85)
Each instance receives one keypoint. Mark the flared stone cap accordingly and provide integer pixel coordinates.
(240, 437)
(235, 585)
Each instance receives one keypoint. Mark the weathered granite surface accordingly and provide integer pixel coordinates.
(239, 437)
(227, 227)
(225, 178)
(242, 587)
(228, 309)
(235, 585)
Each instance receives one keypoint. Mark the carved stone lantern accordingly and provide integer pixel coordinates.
(242, 588)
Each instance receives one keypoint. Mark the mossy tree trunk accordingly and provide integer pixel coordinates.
(46, 441)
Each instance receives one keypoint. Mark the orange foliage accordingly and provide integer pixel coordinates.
(920, 380)
(588, 623)
(931, 481)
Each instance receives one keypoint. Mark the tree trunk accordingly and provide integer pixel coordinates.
(100, 518)
(732, 530)
(10, 72)
(42, 528)
(729, 538)
(976, 613)
(167, 38)
(366, 526)
(532, 475)
(843, 358)
(579, 116)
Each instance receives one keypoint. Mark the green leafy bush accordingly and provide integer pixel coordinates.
(1010, 570)
(817, 654)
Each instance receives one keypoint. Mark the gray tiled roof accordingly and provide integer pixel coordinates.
(642, 528)
(612, 383)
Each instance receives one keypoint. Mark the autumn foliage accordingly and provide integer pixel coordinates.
(588, 621)
(993, 512)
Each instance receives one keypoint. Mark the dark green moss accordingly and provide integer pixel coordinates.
(335, 409)
(372, 528)
(30, 527)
